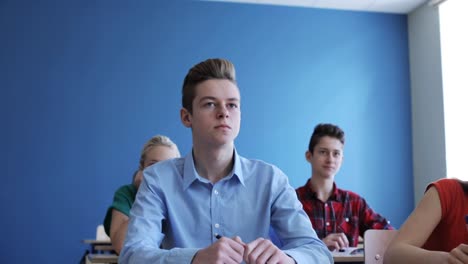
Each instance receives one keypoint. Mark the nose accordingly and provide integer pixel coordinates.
(223, 112)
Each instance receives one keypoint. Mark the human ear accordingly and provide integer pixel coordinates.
(308, 156)
(185, 117)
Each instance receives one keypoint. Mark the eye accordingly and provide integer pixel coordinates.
(209, 104)
(232, 105)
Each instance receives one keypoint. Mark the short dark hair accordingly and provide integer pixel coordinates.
(322, 130)
(206, 70)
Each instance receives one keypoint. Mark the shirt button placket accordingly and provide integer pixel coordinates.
(215, 211)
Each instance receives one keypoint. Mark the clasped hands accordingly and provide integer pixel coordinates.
(233, 251)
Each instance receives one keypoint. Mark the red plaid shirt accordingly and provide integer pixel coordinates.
(344, 212)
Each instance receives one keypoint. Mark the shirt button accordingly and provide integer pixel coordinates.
(216, 192)
(217, 225)
(326, 205)
(327, 223)
(347, 219)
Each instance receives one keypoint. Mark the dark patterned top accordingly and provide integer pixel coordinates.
(344, 212)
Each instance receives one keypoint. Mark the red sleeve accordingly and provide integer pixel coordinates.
(445, 188)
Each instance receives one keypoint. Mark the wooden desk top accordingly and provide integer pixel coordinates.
(353, 258)
(96, 242)
(350, 255)
(103, 258)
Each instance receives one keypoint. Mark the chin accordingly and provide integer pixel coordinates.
(329, 175)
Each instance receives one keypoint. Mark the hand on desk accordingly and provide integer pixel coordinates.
(336, 241)
(263, 250)
(224, 250)
(233, 250)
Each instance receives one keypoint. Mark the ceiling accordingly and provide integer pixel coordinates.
(386, 6)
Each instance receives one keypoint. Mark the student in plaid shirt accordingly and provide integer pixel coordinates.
(338, 216)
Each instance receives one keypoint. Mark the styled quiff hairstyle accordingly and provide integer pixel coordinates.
(158, 140)
(322, 130)
(206, 70)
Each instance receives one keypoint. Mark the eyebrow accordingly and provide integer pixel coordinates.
(323, 148)
(235, 99)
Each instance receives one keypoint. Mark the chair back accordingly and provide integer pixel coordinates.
(101, 234)
(376, 243)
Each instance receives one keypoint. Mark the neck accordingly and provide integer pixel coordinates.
(323, 187)
(213, 164)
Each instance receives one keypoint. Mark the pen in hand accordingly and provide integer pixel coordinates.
(237, 239)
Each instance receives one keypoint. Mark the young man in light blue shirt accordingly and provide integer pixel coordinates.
(214, 206)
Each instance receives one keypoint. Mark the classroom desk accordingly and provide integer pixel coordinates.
(347, 257)
(99, 246)
(103, 258)
(354, 258)
(112, 258)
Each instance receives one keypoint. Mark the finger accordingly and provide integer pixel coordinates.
(248, 248)
(458, 254)
(331, 244)
(266, 253)
(254, 249)
(463, 248)
(453, 260)
(344, 239)
(261, 253)
(239, 240)
(341, 241)
(232, 249)
(275, 258)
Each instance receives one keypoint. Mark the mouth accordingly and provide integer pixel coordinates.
(223, 127)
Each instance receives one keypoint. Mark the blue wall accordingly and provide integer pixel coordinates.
(85, 83)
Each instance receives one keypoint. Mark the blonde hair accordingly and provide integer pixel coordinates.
(158, 140)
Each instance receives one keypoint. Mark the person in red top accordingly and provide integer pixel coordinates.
(436, 231)
(338, 216)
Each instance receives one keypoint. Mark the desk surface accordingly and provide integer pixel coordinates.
(103, 258)
(96, 242)
(99, 246)
(349, 255)
(112, 258)
(354, 258)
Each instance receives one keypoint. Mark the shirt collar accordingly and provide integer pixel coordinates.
(191, 174)
(335, 196)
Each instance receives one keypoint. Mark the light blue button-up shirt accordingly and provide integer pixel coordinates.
(177, 212)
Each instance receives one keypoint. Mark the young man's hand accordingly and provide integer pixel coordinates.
(225, 250)
(261, 251)
(336, 241)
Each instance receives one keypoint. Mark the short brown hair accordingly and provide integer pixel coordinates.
(205, 70)
(322, 130)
